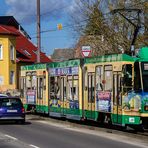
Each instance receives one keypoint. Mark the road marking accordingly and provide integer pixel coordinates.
(34, 146)
(11, 137)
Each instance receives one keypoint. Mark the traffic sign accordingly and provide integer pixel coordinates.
(86, 51)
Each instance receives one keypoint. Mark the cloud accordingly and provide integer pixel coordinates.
(25, 10)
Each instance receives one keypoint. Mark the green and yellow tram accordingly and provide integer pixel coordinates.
(110, 88)
(116, 89)
(34, 87)
(65, 89)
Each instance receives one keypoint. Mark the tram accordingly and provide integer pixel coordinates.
(65, 89)
(34, 87)
(110, 88)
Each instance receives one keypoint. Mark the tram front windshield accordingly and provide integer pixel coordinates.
(145, 75)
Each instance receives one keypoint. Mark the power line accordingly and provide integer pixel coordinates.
(79, 25)
(70, 26)
(56, 9)
(82, 21)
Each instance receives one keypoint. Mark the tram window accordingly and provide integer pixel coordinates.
(91, 92)
(127, 81)
(85, 78)
(63, 88)
(115, 89)
(99, 77)
(31, 80)
(145, 75)
(119, 91)
(34, 82)
(70, 88)
(28, 81)
(145, 82)
(137, 80)
(65, 91)
(57, 87)
(40, 88)
(108, 77)
(75, 87)
(44, 82)
(52, 79)
(22, 86)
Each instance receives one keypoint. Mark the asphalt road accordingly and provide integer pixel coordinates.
(46, 134)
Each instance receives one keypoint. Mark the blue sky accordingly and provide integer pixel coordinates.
(53, 12)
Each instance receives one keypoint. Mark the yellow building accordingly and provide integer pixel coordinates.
(8, 65)
(16, 50)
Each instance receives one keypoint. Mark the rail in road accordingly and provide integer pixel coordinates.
(94, 126)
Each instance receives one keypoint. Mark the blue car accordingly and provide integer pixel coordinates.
(11, 108)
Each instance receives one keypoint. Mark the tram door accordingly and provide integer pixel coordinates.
(63, 95)
(40, 93)
(117, 100)
(90, 114)
(42, 90)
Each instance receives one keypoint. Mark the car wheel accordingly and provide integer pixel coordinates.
(22, 121)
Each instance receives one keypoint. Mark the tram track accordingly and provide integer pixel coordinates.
(91, 125)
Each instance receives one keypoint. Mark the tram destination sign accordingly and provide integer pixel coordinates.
(86, 51)
(64, 71)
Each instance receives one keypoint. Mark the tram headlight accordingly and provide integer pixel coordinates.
(146, 107)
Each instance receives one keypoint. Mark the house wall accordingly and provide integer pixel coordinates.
(6, 64)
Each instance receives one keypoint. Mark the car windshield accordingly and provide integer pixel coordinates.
(7, 102)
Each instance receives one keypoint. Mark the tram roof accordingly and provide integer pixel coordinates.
(68, 63)
(143, 54)
(34, 67)
(110, 58)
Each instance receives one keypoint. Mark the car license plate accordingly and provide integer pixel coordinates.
(11, 111)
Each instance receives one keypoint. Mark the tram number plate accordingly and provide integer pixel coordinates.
(132, 120)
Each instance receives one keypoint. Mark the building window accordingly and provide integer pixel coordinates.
(12, 52)
(1, 52)
(11, 77)
(26, 53)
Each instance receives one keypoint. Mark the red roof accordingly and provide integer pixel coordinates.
(26, 50)
(25, 47)
(8, 30)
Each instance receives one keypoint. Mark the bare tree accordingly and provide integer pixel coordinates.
(108, 32)
(136, 12)
(93, 28)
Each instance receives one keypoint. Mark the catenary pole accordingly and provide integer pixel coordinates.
(38, 32)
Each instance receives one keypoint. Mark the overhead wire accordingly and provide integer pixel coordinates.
(80, 22)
